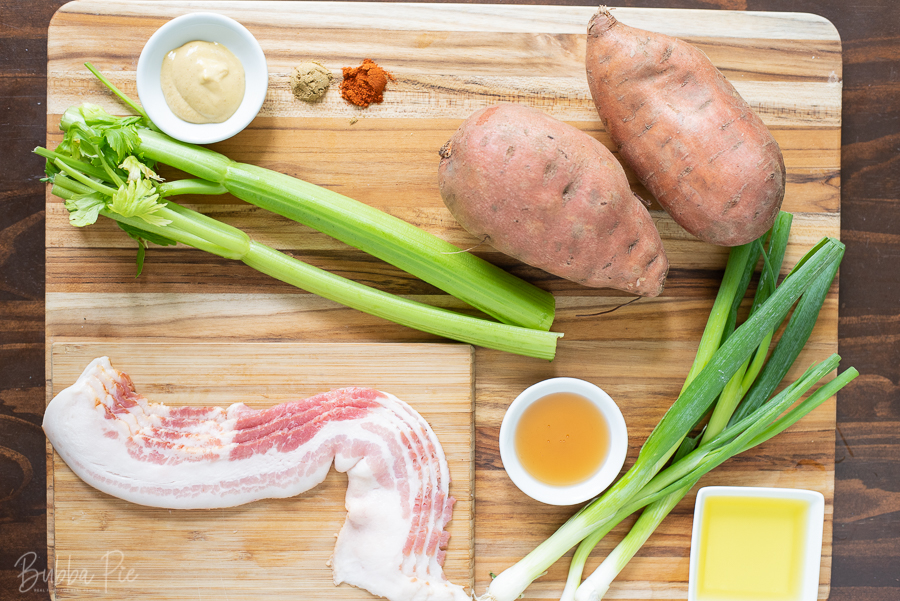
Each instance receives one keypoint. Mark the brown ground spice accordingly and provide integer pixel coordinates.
(310, 81)
(364, 85)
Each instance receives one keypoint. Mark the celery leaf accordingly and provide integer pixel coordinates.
(94, 114)
(104, 131)
(85, 208)
(138, 199)
(122, 139)
(136, 168)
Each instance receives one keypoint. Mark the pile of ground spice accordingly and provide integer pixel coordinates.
(364, 85)
(310, 81)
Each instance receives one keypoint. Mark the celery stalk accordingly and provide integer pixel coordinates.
(80, 166)
(104, 167)
(512, 339)
(128, 101)
(190, 186)
(467, 277)
(388, 238)
(205, 233)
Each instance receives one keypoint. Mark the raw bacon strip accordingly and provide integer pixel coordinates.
(393, 540)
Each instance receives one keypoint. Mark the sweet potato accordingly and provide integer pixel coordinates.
(690, 138)
(550, 195)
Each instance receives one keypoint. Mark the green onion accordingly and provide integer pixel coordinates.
(739, 384)
(664, 492)
(691, 405)
(721, 323)
(682, 476)
(670, 486)
(794, 338)
(731, 291)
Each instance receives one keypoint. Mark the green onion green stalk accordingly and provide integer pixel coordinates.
(596, 585)
(660, 502)
(720, 359)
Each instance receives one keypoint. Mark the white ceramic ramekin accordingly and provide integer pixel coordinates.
(206, 27)
(575, 493)
(815, 516)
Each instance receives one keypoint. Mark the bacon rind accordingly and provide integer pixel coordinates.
(210, 457)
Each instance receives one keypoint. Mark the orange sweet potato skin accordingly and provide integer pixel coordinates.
(690, 138)
(553, 197)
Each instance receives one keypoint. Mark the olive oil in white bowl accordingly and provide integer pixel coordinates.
(756, 544)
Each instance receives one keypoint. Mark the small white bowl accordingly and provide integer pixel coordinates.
(811, 560)
(581, 491)
(206, 27)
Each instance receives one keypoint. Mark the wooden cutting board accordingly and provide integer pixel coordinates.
(449, 60)
(273, 548)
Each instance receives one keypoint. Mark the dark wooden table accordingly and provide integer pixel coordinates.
(867, 488)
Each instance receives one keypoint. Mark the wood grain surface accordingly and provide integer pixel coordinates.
(447, 61)
(271, 549)
(866, 530)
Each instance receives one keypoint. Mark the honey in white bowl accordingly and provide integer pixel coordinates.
(562, 439)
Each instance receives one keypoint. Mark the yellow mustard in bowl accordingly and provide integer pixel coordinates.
(203, 82)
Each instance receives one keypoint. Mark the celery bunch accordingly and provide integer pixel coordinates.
(106, 166)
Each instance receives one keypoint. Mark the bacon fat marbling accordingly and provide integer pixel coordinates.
(398, 503)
